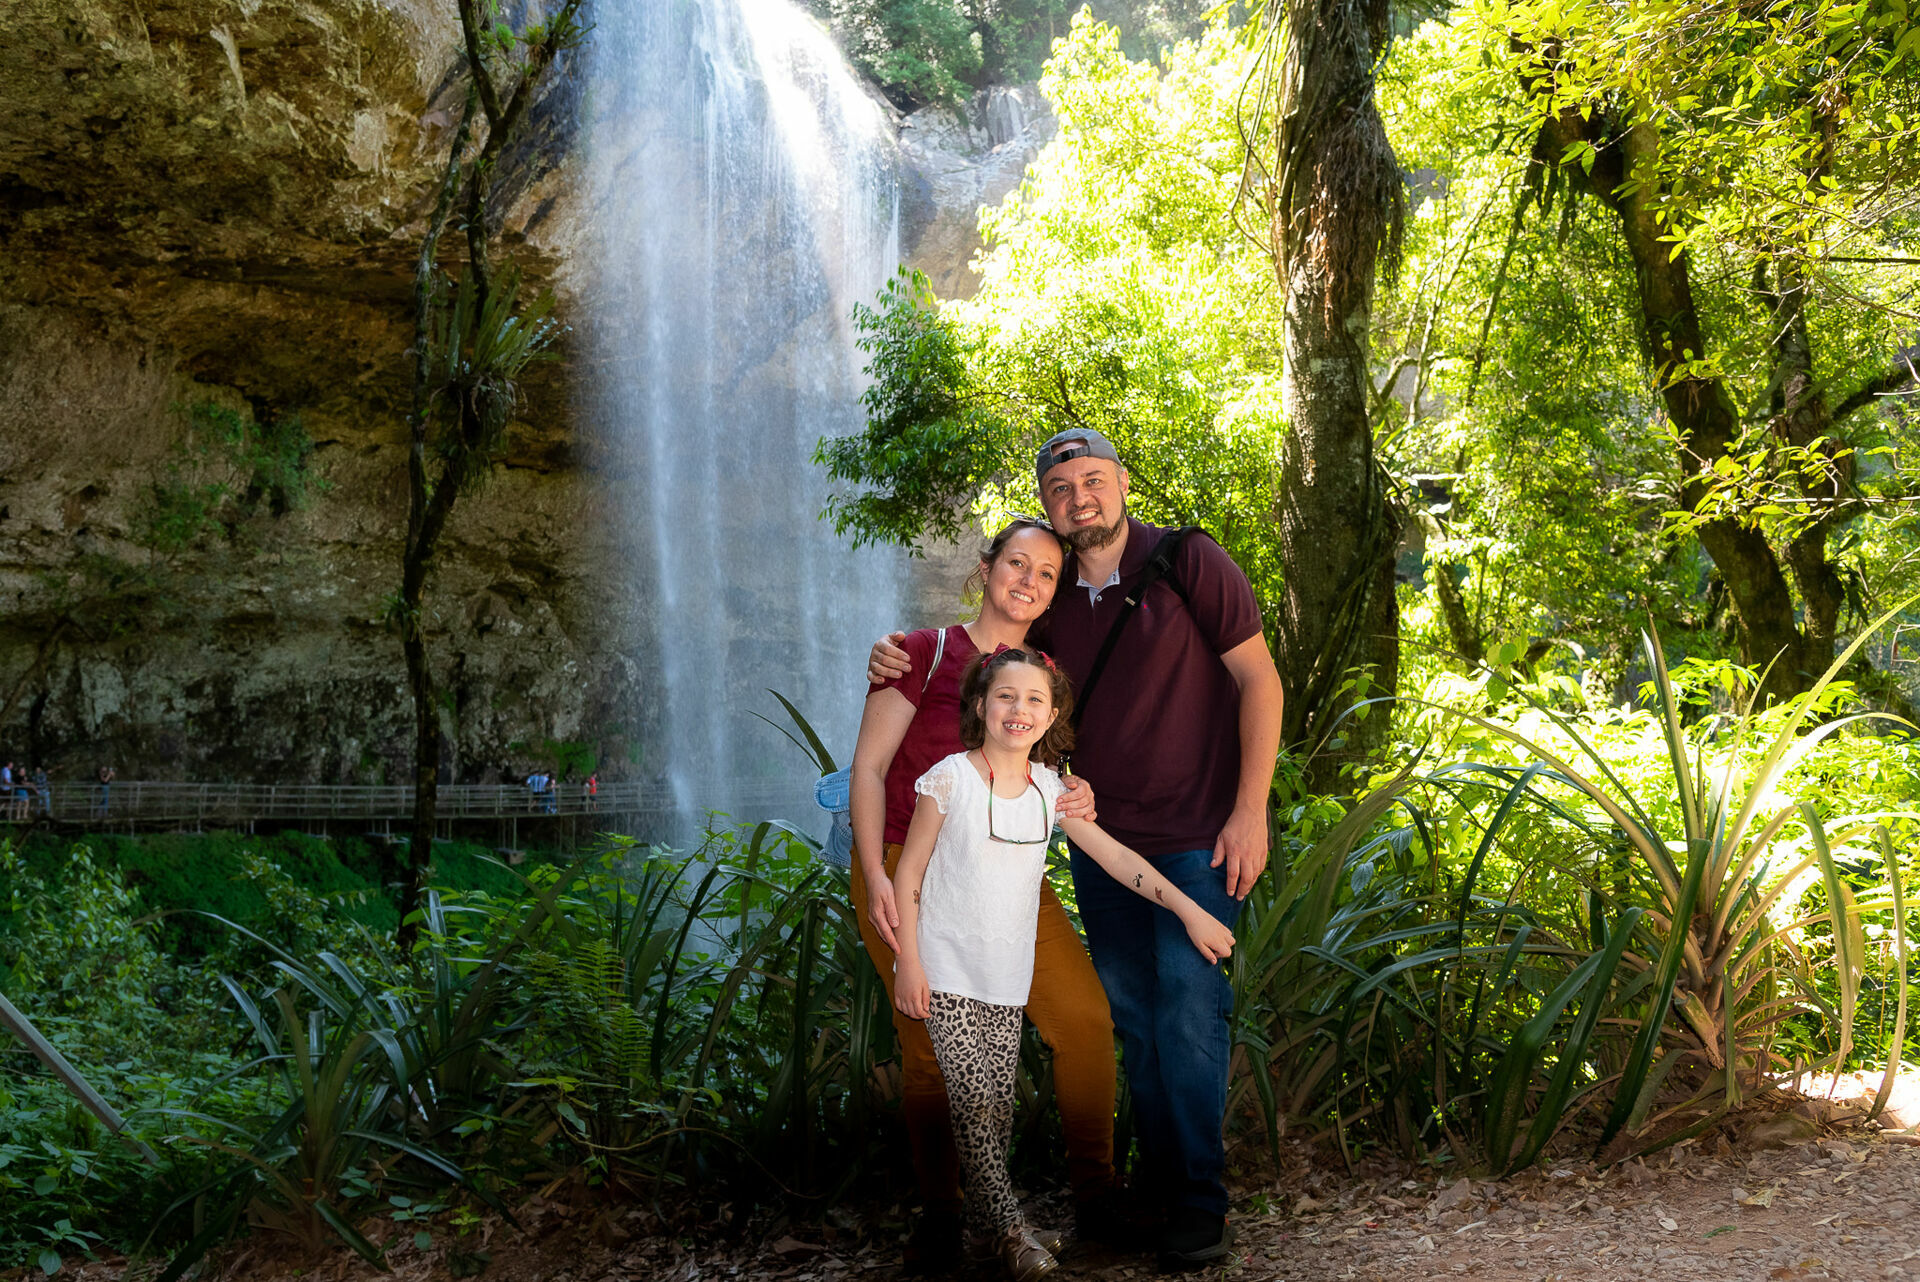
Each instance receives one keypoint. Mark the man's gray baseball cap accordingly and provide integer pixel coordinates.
(1076, 442)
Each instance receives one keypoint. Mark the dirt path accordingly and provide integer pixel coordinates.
(1842, 1208)
(1794, 1201)
(1832, 1208)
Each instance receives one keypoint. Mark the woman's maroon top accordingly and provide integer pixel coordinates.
(935, 730)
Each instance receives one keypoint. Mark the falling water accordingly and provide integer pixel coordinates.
(744, 199)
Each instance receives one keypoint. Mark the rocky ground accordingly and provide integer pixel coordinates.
(1793, 1190)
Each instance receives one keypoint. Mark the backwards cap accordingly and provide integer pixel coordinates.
(1077, 442)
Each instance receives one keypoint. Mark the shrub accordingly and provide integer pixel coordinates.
(81, 961)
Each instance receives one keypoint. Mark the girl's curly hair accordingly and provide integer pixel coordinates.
(978, 679)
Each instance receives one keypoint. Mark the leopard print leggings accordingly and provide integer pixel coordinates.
(978, 1046)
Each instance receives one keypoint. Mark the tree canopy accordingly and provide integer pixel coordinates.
(1649, 353)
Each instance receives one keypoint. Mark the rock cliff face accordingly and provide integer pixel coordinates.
(217, 202)
(953, 165)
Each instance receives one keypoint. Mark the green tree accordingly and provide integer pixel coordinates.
(1510, 394)
(1765, 139)
(1116, 294)
(936, 51)
(471, 344)
(918, 51)
(1333, 208)
(1108, 300)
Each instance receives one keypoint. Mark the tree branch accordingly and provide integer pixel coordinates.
(478, 266)
(1493, 296)
(1903, 374)
(423, 279)
(477, 68)
(560, 30)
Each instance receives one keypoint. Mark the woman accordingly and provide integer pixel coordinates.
(908, 725)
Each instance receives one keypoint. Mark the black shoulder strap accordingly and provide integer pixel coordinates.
(1159, 566)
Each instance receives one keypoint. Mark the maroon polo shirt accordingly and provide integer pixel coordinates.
(1160, 742)
(934, 732)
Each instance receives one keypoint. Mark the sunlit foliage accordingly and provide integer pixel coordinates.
(1115, 294)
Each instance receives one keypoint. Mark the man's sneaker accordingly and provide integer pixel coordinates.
(1193, 1238)
(935, 1244)
(1115, 1220)
(1025, 1258)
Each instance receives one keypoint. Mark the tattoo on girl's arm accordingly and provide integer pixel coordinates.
(916, 896)
(1136, 880)
(1157, 895)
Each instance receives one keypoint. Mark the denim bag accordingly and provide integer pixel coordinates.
(834, 792)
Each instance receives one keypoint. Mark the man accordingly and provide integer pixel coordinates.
(1179, 739)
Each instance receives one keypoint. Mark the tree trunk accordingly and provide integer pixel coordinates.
(1467, 642)
(1700, 408)
(1802, 419)
(426, 780)
(467, 442)
(416, 556)
(1339, 207)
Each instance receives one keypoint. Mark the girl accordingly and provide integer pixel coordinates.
(910, 724)
(967, 886)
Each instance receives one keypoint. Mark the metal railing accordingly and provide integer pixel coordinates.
(146, 801)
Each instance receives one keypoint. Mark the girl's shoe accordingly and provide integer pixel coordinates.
(982, 1247)
(1024, 1257)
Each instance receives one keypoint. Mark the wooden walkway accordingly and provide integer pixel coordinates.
(141, 802)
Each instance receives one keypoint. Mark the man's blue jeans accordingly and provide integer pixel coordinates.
(1171, 1008)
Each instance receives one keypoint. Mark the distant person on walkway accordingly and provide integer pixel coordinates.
(106, 790)
(536, 784)
(13, 790)
(591, 791)
(968, 884)
(43, 791)
(553, 794)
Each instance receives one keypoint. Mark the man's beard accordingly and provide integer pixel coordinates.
(1095, 537)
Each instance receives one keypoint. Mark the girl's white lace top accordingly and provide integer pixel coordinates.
(980, 899)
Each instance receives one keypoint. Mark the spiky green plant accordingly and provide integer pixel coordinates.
(290, 1171)
(483, 347)
(1631, 970)
(1706, 977)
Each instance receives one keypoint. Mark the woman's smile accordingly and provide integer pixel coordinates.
(1020, 584)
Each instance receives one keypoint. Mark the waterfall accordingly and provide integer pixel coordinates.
(744, 198)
